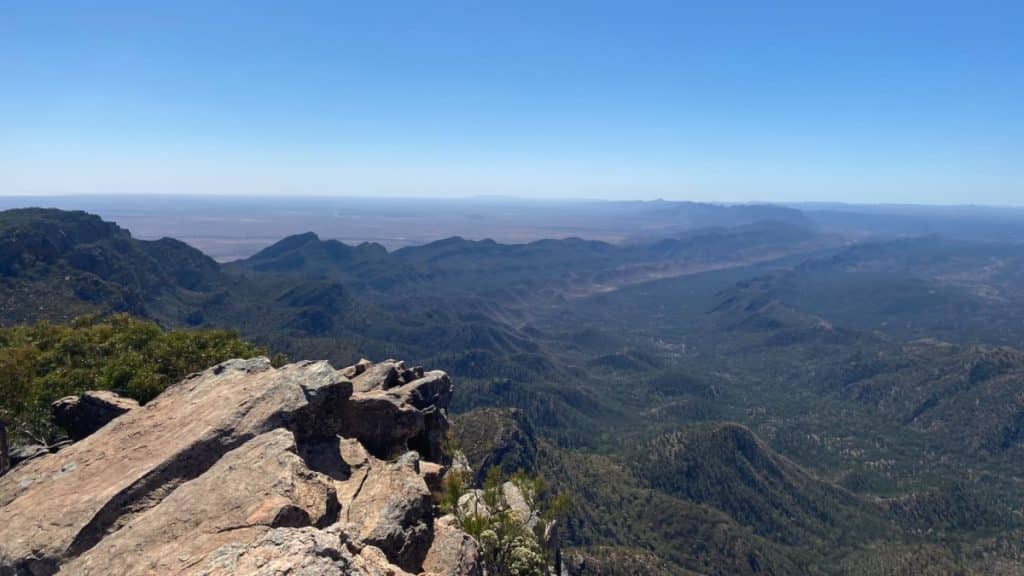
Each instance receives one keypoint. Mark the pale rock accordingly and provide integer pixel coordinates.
(58, 506)
(256, 487)
(392, 507)
(245, 469)
(453, 552)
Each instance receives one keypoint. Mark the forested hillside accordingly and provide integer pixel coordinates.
(762, 398)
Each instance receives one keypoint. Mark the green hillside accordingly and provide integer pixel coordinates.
(751, 400)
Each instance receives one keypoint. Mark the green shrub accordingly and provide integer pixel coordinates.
(42, 362)
(508, 545)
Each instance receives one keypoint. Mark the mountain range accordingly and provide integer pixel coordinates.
(764, 395)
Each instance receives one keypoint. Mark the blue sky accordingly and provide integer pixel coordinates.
(720, 101)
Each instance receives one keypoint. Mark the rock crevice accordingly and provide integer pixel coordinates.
(243, 469)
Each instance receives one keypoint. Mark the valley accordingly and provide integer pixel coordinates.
(754, 396)
(520, 288)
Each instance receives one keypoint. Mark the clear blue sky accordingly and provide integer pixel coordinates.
(727, 101)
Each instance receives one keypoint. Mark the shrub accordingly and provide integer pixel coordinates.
(42, 362)
(510, 545)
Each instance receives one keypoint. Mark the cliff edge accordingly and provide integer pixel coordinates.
(248, 469)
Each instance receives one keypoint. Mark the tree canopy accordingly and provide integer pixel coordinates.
(42, 362)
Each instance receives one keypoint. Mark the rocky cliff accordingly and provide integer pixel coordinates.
(247, 469)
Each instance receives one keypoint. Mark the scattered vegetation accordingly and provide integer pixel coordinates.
(511, 522)
(42, 362)
(875, 389)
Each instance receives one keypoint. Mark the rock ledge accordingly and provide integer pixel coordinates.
(245, 469)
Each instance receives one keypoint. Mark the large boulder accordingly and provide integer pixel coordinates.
(511, 500)
(382, 423)
(82, 415)
(242, 469)
(518, 506)
(95, 486)
(261, 485)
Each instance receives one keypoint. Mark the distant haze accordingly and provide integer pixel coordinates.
(871, 102)
(228, 228)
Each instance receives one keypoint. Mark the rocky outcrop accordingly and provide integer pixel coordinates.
(82, 415)
(262, 484)
(245, 469)
(413, 401)
(391, 508)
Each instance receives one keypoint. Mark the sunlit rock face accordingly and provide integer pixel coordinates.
(246, 469)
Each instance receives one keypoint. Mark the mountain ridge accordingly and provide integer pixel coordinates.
(823, 441)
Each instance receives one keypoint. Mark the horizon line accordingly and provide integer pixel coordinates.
(505, 197)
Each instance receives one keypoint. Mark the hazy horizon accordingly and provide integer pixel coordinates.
(807, 204)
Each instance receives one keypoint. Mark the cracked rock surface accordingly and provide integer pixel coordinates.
(247, 469)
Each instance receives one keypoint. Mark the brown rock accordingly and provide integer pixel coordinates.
(433, 475)
(379, 376)
(432, 394)
(237, 470)
(512, 501)
(356, 369)
(410, 374)
(382, 423)
(258, 486)
(389, 506)
(430, 442)
(385, 504)
(453, 552)
(82, 415)
(417, 411)
(359, 463)
(97, 485)
(518, 506)
(433, 389)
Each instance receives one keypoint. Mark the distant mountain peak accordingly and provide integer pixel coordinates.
(286, 244)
